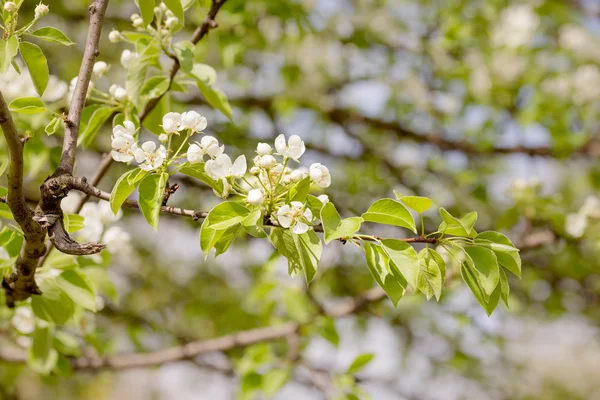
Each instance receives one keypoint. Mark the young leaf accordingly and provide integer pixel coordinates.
(152, 190)
(404, 258)
(303, 252)
(430, 275)
(359, 363)
(27, 105)
(485, 262)
(390, 212)
(8, 51)
(378, 263)
(98, 118)
(79, 288)
(184, 51)
(73, 222)
(504, 288)
(205, 73)
(146, 10)
(335, 227)
(470, 278)
(225, 215)
(417, 203)
(507, 254)
(227, 238)
(458, 227)
(41, 356)
(299, 191)
(197, 171)
(53, 35)
(37, 65)
(53, 125)
(123, 188)
(215, 98)
(53, 305)
(253, 224)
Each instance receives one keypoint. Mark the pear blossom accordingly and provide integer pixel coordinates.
(123, 143)
(171, 122)
(575, 224)
(294, 148)
(294, 216)
(106, 214)
(41, 10)
(116, 239)
(267, 161)
(117, 92)
(23, 320)
(263, 149)
(298, 174)
(100, 69)
(115, 36)
(195, 154)
(222, 167)
(127, 57)
(254, 171)
(149, 156)
(256, 197)
(92, 223)
(320, 175)
(192, 120)
(591, 207)
(163, 138)
(171, 22)
(323, 198)
(10, 6)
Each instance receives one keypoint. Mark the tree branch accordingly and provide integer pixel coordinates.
(91, 52)
(20, 284)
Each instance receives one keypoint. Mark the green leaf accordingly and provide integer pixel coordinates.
(123, 189)
(470, 277)
(53, 125)
(146, 10)
(225, 215)
(197, 171)
(175, 7)
(79, 288)
(102, 282)
(97, 119)
(184, 51)
(404, 258)
(227, 238)
(253, 224)
(303, 252)
(335, 227)
(215, 98)
(430, 275)
(73, 222)
(204, 73)
(66, 344)
(155, 87)
(53, 35)
(27, 105)
(3, 166)
(485, 262)
(360, 362)
(388, 279)
(507, 254)
(53, 305)
(274, 380)
(8, 51)
(299, 191)
(137, 71)
(152, 190)
(457, 227)
(37, 65)
(417, 203)
(327, 329)
(41, 356)
(504, 287)
(390, 212)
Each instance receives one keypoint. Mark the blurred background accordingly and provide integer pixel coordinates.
(482, 105)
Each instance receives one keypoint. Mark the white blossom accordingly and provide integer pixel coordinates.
(263, 149)
(254, 171)
(92, 223)
(323, 198)
(163, 138)
(137, 22)
(23, 320)
(171, 122)
(195, 154)
(298, 174)
(117, 92)
(256, 197)
(123, 143)
(192, 120)
(575, 224)
(116, 239)
(10, 6)
(591, 207)
(222, 167)
(41, 10)
(294, 148)
(267, 161)
(149, 156)
(106, 214)
(100, 69)
(320, 175)
(115, 36)
(171, 22)
(517, 26)
(294, 216)
(127, 57)
(585, 84)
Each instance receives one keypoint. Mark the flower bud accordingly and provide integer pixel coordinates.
(256, 197)
(41, 10)
(100, 69)
(138, 23)
(267, 161)
(163, 137)
(171, 22)
(133, 17)
(163, 6)
(10, 7)
(114, 36)
(127, 57)
(254, 171)
(263, 149)
(323, 198)
(120, 94)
